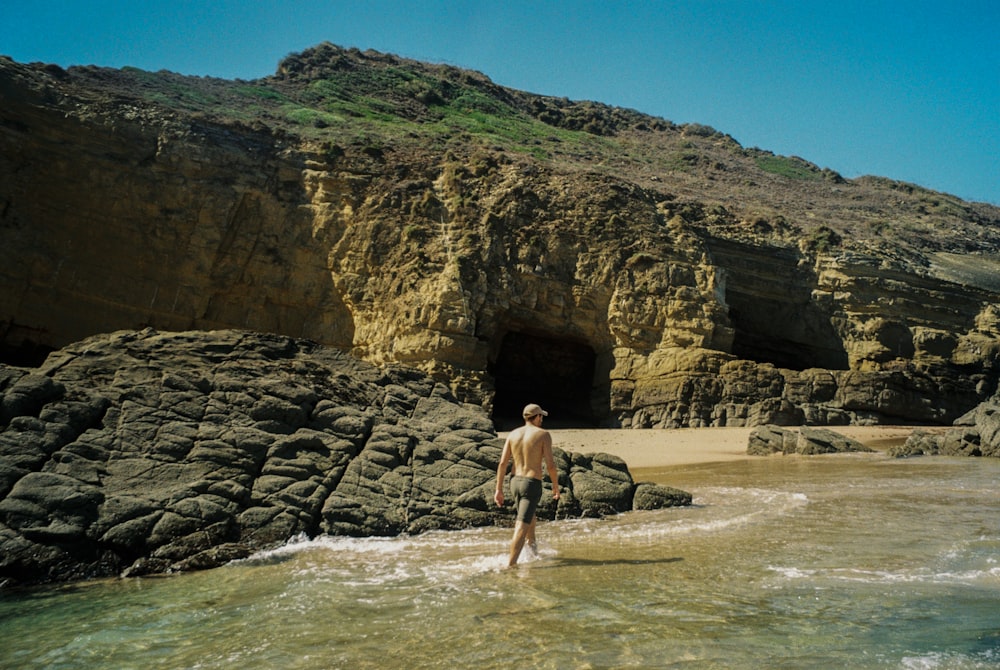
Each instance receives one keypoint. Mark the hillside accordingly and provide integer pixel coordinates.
(421, 214)
(339, 99)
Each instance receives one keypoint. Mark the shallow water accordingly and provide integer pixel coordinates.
(854, 561)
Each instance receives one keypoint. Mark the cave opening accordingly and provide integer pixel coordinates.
(19, 347)
(557, 373)
(775, 313)
(786, 333)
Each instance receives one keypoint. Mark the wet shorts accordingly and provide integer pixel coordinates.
(527, 492)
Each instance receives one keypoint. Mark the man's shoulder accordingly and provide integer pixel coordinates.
(537, 434)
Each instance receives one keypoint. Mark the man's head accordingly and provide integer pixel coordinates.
(531, 411)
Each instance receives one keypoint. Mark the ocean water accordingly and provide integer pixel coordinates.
(847, 561)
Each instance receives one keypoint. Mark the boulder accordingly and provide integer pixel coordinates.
(649, 496)
(601, 484)
(976, 433)
(807, 441)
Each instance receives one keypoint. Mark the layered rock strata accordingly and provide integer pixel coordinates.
(145, 452)
(610, 297)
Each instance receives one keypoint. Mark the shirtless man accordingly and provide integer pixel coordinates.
(528, 445)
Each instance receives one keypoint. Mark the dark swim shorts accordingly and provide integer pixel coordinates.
(527, 492)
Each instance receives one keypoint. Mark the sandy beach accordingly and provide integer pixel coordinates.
(657, 448)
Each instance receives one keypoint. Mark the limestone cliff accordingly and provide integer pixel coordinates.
(619, 268)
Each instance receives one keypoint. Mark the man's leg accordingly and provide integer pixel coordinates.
(527, 503)
(516, 544)
(529, 537)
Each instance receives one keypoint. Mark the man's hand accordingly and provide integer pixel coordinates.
(555, 495)
(498, 498)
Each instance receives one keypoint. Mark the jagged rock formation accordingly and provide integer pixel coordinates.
(626, 270)
(975, 434)
(142, 452)
(767, 440)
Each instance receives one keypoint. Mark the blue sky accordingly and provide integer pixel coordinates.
(906, 89)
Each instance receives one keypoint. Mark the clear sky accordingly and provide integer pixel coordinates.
(906, 89)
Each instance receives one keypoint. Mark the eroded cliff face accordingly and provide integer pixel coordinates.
(508, 278)
(119, 216)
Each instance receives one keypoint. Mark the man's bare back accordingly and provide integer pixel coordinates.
(528, 446)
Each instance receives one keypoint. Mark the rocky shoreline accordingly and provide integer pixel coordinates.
(140, 452)
(144, 452)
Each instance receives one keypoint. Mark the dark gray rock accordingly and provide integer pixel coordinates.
(976, 433)
(986, 420)
(650, 496)
(143, 452)
(601, 484)
(767, 440)
(919, 443)
(822, 441)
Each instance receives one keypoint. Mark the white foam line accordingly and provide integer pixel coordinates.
(731, 507)
(751, 505)
(886, 577)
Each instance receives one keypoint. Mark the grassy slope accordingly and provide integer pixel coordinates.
(331, 100)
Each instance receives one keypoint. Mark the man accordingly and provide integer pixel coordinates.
(529, 446)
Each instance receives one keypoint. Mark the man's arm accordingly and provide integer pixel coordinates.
(502, 472)
(550, 464)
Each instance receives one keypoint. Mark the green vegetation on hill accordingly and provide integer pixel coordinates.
(344, 100)
(791, 167)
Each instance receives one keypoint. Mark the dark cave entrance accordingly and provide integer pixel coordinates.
(20, 345)
(774, 314)
(786, 333)
(556, 373)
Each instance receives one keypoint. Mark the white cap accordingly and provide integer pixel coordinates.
(533, 410)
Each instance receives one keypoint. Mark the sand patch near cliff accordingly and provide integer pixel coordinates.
(656, 448)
